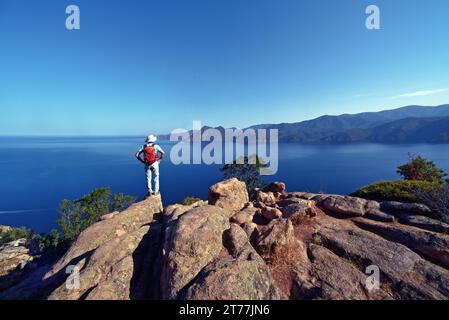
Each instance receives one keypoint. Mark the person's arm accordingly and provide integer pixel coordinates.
(138, 157)
(162, 153)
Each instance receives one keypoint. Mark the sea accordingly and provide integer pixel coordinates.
(36, 173)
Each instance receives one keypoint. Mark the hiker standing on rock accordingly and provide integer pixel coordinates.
(152, 155)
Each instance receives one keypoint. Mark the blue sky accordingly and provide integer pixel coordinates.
(151, 66)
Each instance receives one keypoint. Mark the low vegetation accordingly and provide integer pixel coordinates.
(423, 182)
(400, 190)
(190, 200)
(282, 263)
(80, 214)
(437, 200)
(12, 234)
(76, 216)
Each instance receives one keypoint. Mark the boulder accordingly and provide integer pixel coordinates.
(377, 215)
(424, 222)
(338, 279)
(298, 211)
(319, 198)
(277, 233)
(403, 271)
(345, 205)
(235, 240)
(301, 195)
(241, 276)
(251, 231)
(304, 286)
(432, 245)
(132, 219)
(230, 195)
(192, 243)
(276, 187)
(107, 274)
(271, 213)
(14, 257)
(172, 212)
(249, 205)
(265, 198)
(415, 208)
(290, 201)
(244, 216)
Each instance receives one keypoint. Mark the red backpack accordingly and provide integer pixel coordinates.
(150, 155)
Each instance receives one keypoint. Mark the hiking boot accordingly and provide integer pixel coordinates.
(156, 193)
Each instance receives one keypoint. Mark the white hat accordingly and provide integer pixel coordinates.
(151, 138)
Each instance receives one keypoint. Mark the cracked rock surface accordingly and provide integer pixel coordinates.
(279, 245)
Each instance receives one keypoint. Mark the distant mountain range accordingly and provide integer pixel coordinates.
(411, 124)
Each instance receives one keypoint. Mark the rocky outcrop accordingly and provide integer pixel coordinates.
(230, 195)
(404, 273)
(338, 279)
(348, 206)
(14, 258)
(244, 216)
(277, 188)
(413, 208)
(271, 213)
(241, 275)
(277, 233)
(424, 223)
(339, 237)
(4, 229)
(193, 243)
(429, 244)
(207, 255)
(298, 211)
(174, 211)
(378, 215)
(109, 259)
(108, 253)
(279, 246)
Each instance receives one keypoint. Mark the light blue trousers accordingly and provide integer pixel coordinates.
(151, 171)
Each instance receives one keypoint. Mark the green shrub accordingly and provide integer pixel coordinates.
(401, 190)
(80, 214)
(190, 200)
(49, 242)
(120, 202)
(13, 234)
(77, 215)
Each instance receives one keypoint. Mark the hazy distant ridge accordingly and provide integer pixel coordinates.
(411, 124)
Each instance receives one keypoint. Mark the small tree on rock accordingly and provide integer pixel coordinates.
(246, 169)
(419, 168)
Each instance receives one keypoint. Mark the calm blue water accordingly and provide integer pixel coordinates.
(36, 173)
